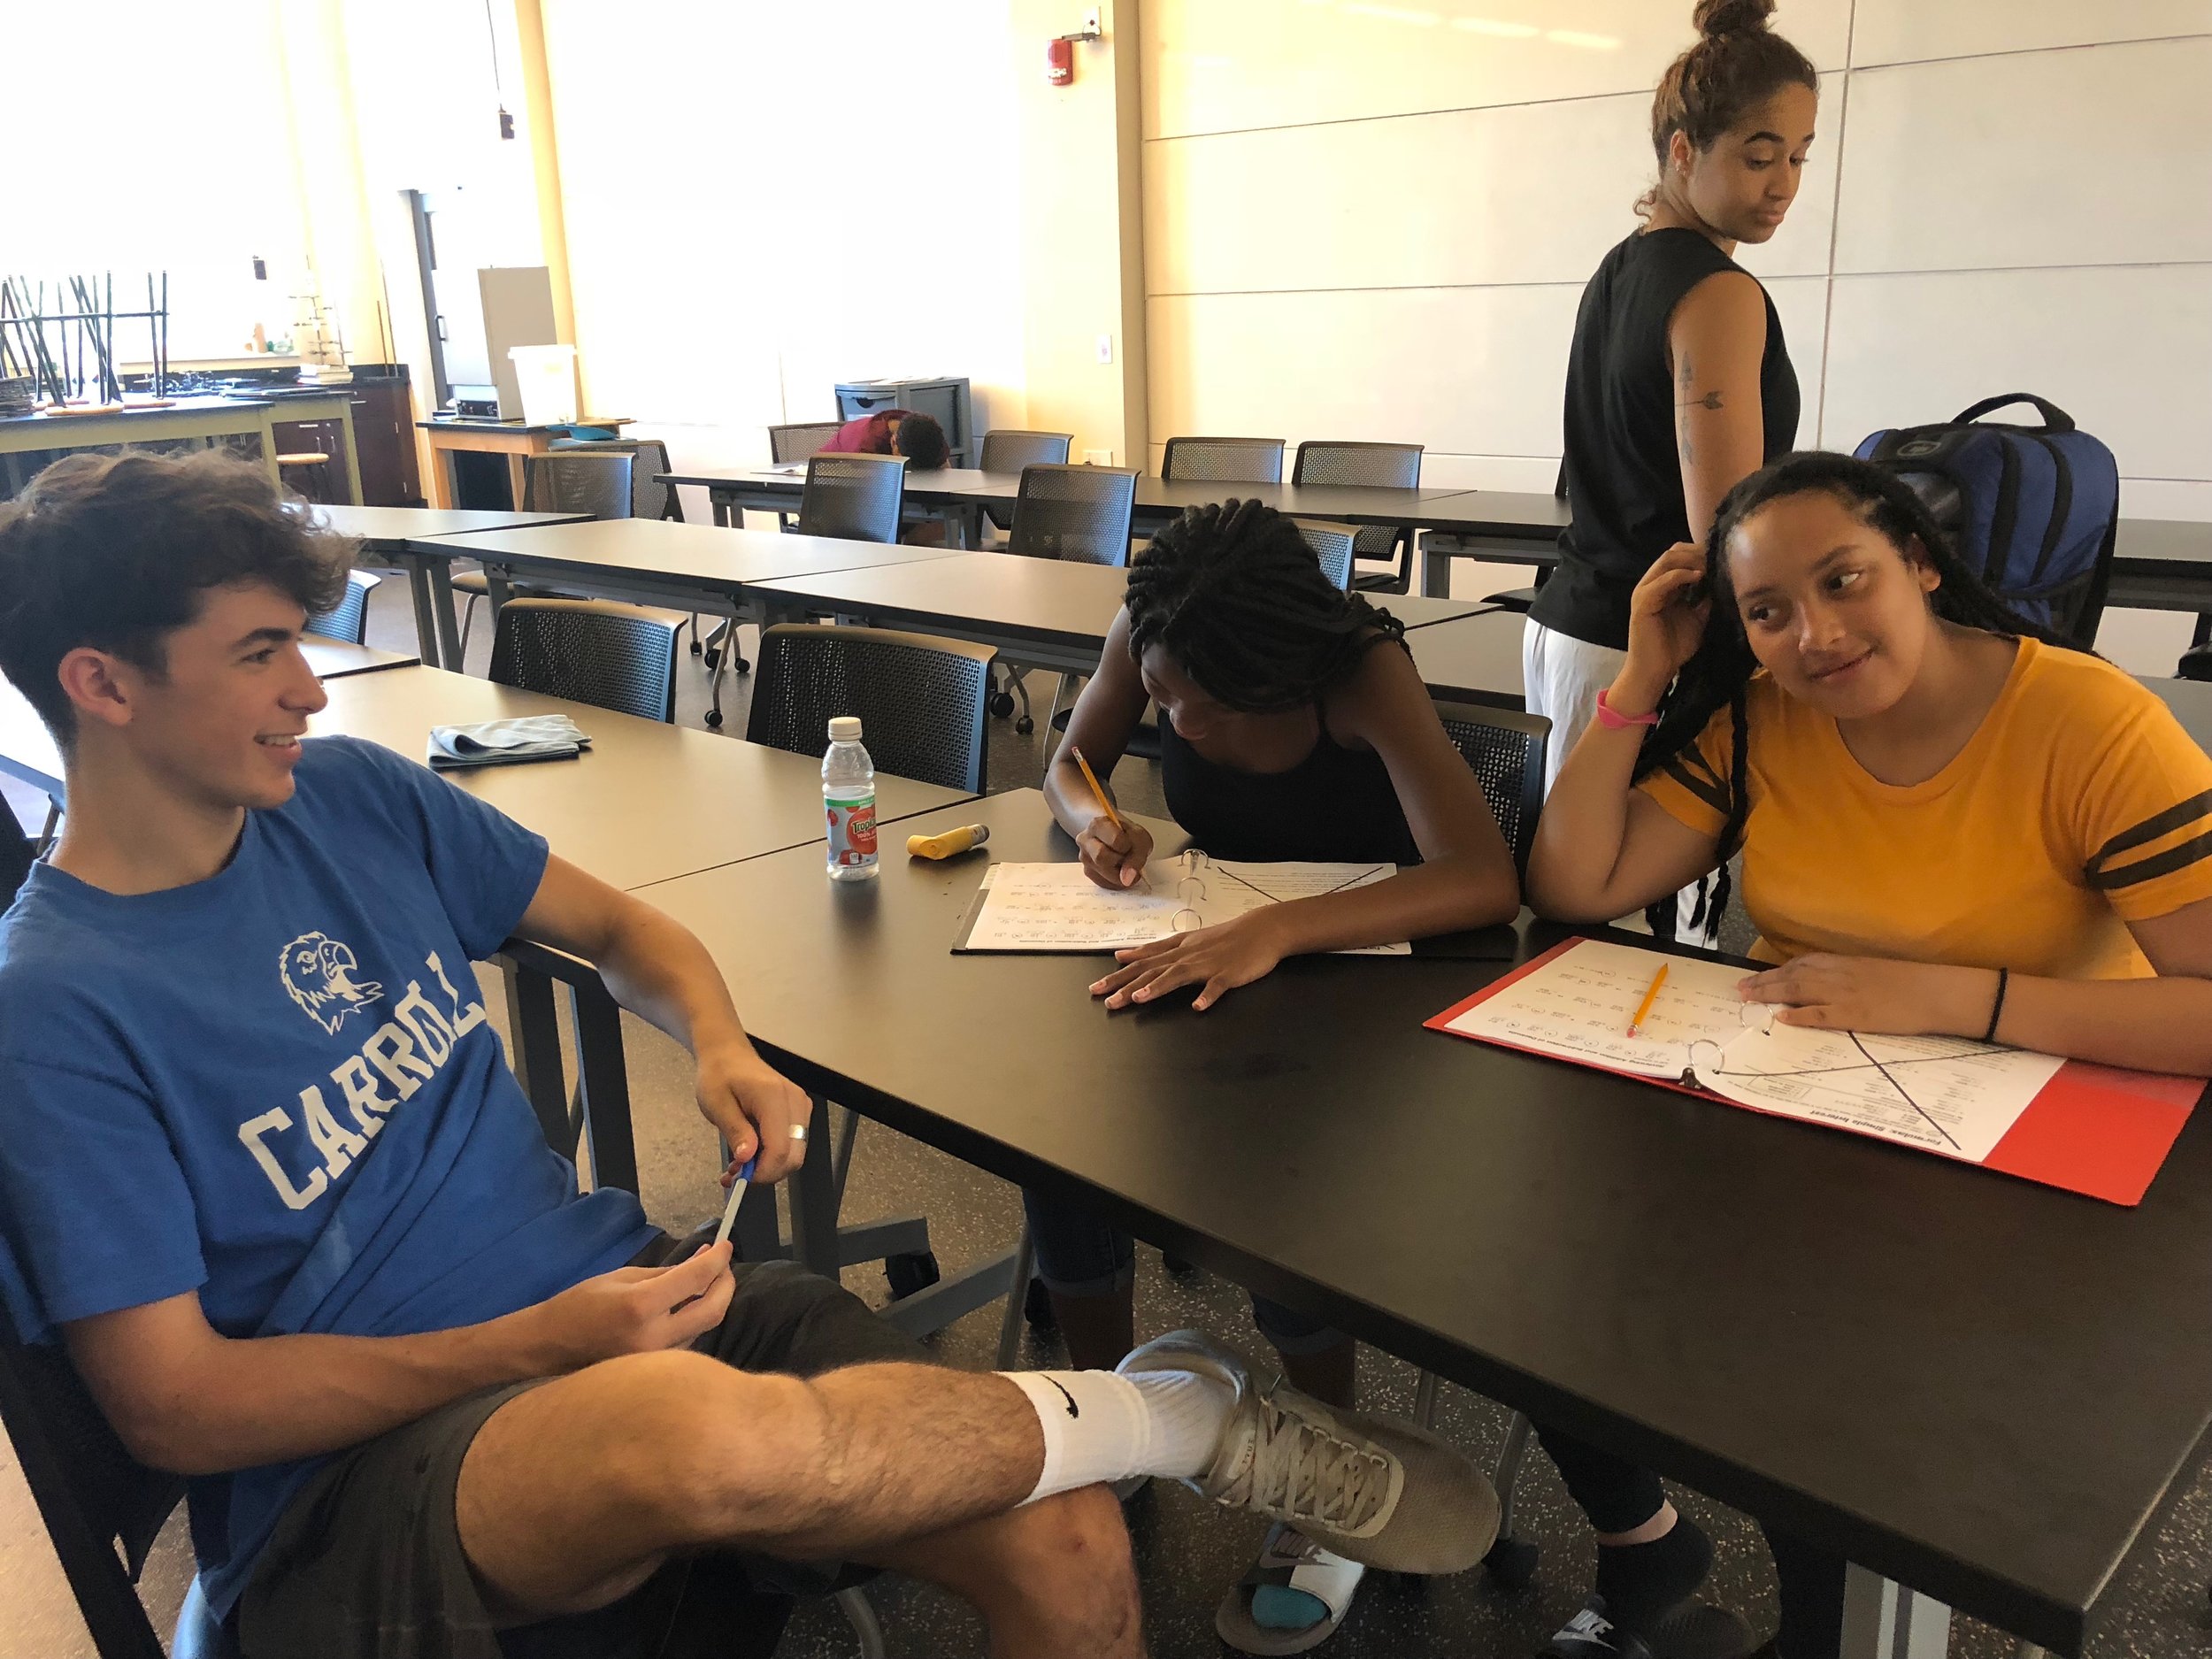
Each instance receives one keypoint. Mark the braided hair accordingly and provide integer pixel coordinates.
(1232, 591)
(1720, 671)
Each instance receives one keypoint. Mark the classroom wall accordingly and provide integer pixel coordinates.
(1374, 220)
(761, 201)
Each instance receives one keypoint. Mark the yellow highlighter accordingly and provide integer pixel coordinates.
(950, 844)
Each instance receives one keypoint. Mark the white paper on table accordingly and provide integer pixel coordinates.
(1058, 907)
(1944, 1094)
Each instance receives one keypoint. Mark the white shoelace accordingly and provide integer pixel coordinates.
(1302, 1473)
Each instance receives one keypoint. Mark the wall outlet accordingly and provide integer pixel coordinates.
(1105, 348)
(1098, 457)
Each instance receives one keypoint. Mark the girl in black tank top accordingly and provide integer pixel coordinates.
(1293, 726)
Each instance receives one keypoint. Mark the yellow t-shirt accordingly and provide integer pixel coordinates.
(2079, 805)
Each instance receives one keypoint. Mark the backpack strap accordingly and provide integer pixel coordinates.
(2055, 419)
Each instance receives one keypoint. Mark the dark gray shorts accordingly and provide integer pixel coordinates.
(366, 1560)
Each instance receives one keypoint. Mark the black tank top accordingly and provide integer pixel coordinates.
(1336, 806)
(1624, 476)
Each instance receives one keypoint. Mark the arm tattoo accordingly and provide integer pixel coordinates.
(1711, 400)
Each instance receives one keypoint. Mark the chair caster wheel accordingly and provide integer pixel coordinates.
(1037, 1308)
(1025, 726)
(1002, 704)
(1177, 1265)
(710, 658)
(1511, 1563)
(714, 717)
(696, 649)
(915, 1270)
(739, 665)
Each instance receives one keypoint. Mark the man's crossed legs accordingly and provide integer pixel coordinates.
(805, 1430)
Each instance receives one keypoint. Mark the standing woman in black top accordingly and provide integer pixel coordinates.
(1679, 382)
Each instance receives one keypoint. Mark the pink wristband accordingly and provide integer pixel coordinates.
(1608, 715)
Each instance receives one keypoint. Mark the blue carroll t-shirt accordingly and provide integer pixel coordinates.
(278, 1088)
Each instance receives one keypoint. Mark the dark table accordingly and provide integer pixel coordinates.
(1981, 1388)
(2157, 564)
(385, 532)
(1464, 512)
(662, 561)
(1044, 613)
(646, 801)
(340, 659)
(1474, 659)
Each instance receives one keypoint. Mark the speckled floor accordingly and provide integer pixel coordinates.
(1188, 1554)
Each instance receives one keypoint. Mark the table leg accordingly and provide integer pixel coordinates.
(418, 589)
(1436, 571)
(441, 613)
(517, 481)
(1885, 1620)
(812, 1192)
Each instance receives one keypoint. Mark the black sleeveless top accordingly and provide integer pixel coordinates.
(1623, 474)
(1336, 806)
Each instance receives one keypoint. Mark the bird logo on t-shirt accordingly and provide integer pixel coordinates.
(317, 972)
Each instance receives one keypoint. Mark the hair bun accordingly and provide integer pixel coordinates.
(1730, 16)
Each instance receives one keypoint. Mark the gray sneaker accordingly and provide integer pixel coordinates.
(1374, 1490)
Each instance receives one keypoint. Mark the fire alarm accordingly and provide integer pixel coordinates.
(1060, 61)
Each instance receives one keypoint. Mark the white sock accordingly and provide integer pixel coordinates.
(1099, 1425)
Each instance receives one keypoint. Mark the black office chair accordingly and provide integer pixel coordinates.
(797, 440)
(1079, 513)
(856, 497)
(593, 479)
(919, 699)
(1007, 450)
(1228, 460)
(348, 619)
(612, 656)
(1506, 750)
(1385, 465)
(1335, 545)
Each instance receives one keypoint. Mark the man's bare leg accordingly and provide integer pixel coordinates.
(1053, 1578)
(571, 1494)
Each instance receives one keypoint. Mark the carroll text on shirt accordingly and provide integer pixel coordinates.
(399, 1056)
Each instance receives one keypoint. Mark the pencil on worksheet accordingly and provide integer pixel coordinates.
(1643, 1009)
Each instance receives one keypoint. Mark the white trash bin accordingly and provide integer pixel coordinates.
(546, 377)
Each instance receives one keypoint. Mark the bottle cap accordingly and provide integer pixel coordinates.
(845, 729)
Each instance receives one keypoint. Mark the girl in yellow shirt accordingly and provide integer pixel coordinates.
(1951, 823)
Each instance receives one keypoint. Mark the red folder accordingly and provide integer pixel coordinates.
(2096, 1130)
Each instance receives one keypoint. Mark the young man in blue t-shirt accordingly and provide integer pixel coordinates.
(265, 1171)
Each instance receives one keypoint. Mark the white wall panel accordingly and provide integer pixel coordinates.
(2126, 350)
(1901, 31)
(1223, 66)
(1472, 369)
(1529, 193)
(2097, 155)
(2165, 498)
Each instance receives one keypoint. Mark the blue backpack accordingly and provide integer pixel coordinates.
(2032, 509)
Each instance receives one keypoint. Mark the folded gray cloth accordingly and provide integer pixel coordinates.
(506, 743)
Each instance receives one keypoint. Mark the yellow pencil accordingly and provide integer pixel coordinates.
(1104, 805)
(1091, 778)
(1650, 996)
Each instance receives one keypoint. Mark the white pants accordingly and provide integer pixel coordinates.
(1562, 677)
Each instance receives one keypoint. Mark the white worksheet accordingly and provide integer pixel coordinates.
(1944, 1094)
(1058, 908)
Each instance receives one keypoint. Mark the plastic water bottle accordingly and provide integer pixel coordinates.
(849, 798)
